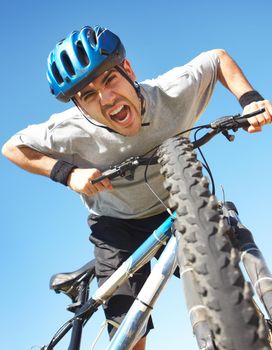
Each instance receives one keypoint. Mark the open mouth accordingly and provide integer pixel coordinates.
(121, 114)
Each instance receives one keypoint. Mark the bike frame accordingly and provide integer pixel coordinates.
(133, 326)
(139, 258)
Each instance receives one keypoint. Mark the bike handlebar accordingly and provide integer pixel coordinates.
(125, 169)
(221, 125)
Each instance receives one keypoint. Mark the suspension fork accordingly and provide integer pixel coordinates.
(251, 257)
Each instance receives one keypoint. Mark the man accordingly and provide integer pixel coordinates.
(114, 118)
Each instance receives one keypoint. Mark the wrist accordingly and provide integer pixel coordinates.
(69, 178)
(61, 172)
(249, 97)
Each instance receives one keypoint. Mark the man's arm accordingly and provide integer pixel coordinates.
(79, 180)
(29, 159)
(232, 77)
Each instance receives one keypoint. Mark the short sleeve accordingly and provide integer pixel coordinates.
(201, 72)
(190, 86)
(50, 137)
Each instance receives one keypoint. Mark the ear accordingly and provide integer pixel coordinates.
(127, 66)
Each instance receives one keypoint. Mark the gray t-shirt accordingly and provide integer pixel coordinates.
(174, 101)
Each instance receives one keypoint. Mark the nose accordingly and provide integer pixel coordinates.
(107, 97)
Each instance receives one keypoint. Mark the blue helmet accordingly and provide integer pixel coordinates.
(80, 58)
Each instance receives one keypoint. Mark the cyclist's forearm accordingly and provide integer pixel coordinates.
(231, 75)
(29, 159)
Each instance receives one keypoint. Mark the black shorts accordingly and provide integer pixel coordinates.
(115, 240)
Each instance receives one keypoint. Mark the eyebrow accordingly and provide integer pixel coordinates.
(83, 94)
(108, 74)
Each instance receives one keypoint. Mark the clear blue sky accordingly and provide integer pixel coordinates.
(44, 226)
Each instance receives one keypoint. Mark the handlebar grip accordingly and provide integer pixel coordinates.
(110, 174)
(243, 122)
(98, 179)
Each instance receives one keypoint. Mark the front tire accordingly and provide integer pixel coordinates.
(233, 319)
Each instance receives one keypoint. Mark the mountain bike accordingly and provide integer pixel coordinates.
(204, 237)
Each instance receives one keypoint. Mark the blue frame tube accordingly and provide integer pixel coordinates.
(133, 326)
(140, 257)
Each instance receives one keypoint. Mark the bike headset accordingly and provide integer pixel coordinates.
(80, 58)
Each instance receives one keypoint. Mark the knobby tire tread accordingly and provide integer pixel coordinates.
(204, 241)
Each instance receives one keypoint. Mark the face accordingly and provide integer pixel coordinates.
(112, 101)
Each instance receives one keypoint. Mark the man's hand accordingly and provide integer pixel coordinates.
(80, 180)
(261, 119)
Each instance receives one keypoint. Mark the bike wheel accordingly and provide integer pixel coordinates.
(233, 319)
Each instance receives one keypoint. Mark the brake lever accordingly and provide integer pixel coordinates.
(224, 121)
(228, 136)
(125, 169)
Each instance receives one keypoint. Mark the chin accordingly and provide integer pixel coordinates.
(132, 131)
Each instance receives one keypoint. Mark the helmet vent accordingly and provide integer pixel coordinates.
(92, 37)
(81, 54)
(67, 64)
(56, 73)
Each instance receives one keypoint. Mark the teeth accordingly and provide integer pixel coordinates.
(117, 110)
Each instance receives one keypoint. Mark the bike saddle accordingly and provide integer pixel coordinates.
(67, 282)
